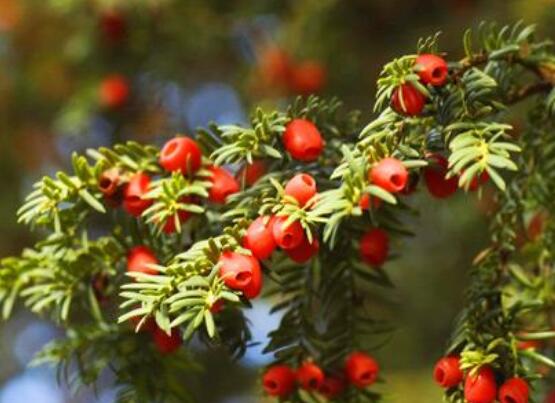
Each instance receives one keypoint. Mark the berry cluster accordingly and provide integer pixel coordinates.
(407, 99)
(360, 371)
(279, 70)
(480, 386)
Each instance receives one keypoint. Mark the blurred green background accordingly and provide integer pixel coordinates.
(190, 62)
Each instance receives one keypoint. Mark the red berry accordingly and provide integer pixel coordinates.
(138, 259)
(109, 185)
(447, 372)
(304, 251)
(134, 192)
(275, 66)
(113, 26)
(528, 344)
(287, 237)
(514, 390)
(477, 181)
(253, 289)
(434, 176)
(217, 306)
(223, 185)
(481, 388)
(308, 77)
(237, 270)
(551, 397)
(303, 140)
(407, 100)
(167, 344)
(369, 202)
(260, 238)
(389, 174)
(114, 91)
(332, 387)
(302, 187)
(250, 173)
(310, 376)
(181, 154)
(361, 369)
(374, 247)
(182, 216)
(279, 380)
(149, 325)
(432, 69)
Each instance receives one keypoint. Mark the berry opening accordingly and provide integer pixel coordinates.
(308, 180)
(243, 276)
(508, 399)
(366, 376)
(313, 383)
(134, 200)
(105, 183)
(396, 180)
(437, 73)
(270, 384)
(439, 375)
(170, 148)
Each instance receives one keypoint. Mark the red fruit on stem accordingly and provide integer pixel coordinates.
(217, 306)
(182, 215)
(113, 26)
(250, 173)
(514, 390)
(407, 100)
(528, 344)
(279, 381)
(308, 77)
(332, 387)
(138, 259)
(275, 66)
(149, 325)
(133, 201)
(287, 237)
(237, 270)
(114, 91)
(181, 154)
(260, 238)
(302, 187)
(304, 251)
(303, 140)
(374, 247)
(223, 185)
(369, 202)
(361, 369)
(253, 289)
(390, 174)
(478, 181)
(434, 176)
(481, 388)
(432, 69)
(310, 376)
(167, 344)
(447, 372)
(550, 397)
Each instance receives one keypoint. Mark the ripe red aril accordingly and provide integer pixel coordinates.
(407, 100)
(361, 369)
(310, 376)
(223, 185)
(434, 176)
(481, 387)
(238, 271)
(167, 344)
(390, 174)
(302, 187)
(304, 251)
(181, 154)
(514, 390)
(260, 238)
(279, 381)
(133, 194)
(308, 77)
(374, 247)
(303, 140)
(332, 387)
(114, 91)
(447, 372)
(139, 258)
(432, 69)
(287, 237)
